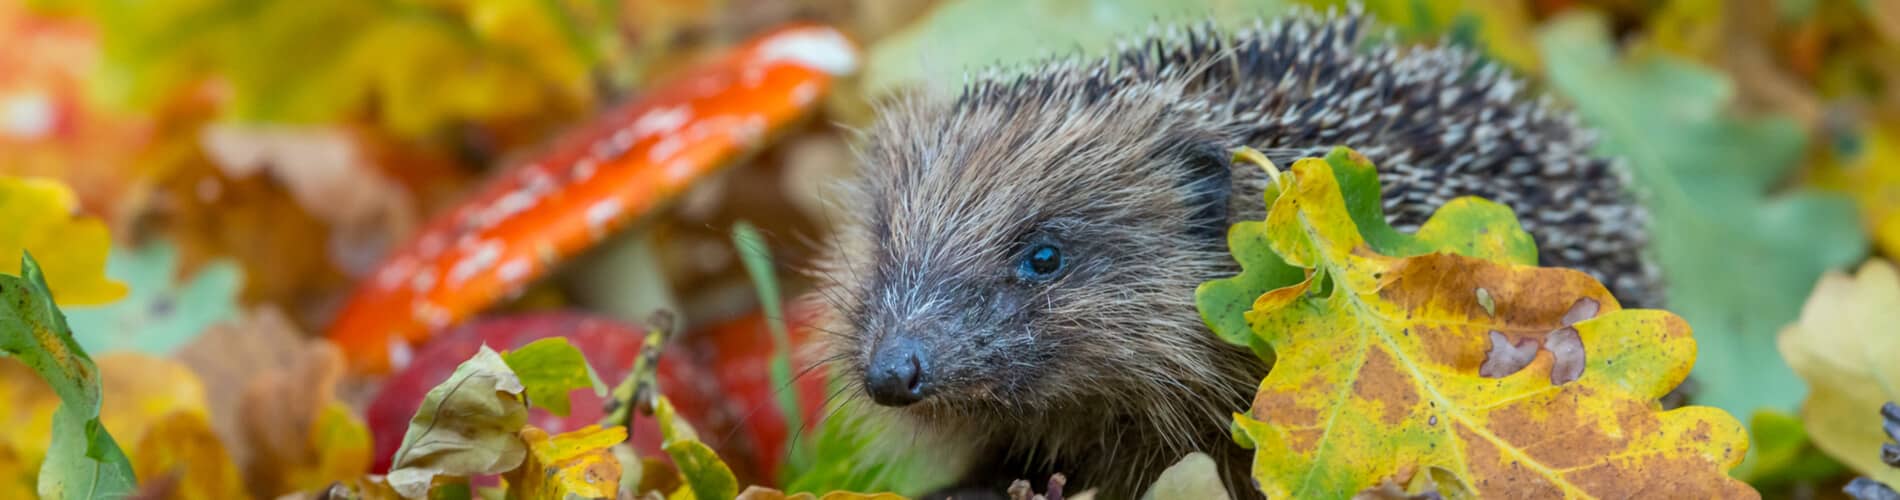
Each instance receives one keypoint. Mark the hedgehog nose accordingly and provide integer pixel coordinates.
(897, 373)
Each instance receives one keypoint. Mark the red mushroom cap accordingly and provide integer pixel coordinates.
(623, 166)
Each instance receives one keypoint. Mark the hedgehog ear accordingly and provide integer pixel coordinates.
(1208, 182)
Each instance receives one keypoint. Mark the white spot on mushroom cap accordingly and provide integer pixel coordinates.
(679, 171)
(431, 245)
(422, 282)
(601, 212)
(585, 168)
(804, 94)
(661, 120)
(514, 269)
(431, 315)
(665, 149)
(823, 49)
(392, 274)
(482, 258)
(400, 353)
(508, 206)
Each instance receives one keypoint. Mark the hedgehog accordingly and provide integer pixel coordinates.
(1014, 281)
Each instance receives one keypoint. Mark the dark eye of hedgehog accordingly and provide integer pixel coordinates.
(1043, 262)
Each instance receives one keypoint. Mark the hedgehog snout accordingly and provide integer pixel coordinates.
(899, 372)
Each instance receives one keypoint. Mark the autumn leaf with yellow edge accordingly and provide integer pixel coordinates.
(72, 250)
(574, 465)
(1497, 379)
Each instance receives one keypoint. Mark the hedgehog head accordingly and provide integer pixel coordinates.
(1031, 246)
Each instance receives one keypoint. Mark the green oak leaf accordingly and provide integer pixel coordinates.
(549, 369)
(1737, 260)
(160, 314)
(82, 461)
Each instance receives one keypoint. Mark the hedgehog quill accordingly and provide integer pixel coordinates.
(1017, 281)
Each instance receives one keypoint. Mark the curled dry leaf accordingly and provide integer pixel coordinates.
(466, 426)
(1844, 345)
(40, 220)
(631, 161)
(1386, 377)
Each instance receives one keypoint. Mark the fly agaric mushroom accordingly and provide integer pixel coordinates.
(622, 166)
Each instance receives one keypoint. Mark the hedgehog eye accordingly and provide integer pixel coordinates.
(1041, 263)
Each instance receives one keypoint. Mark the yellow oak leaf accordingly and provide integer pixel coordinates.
(71, 250)
(1872, 176)
(1844, 346)
(140, 393)
(572, 465)
(180, 448)
(26, 421)
(1515, 381)
(141, 389)
(339, 449)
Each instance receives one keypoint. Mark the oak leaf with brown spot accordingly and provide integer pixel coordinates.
(1382, 369)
